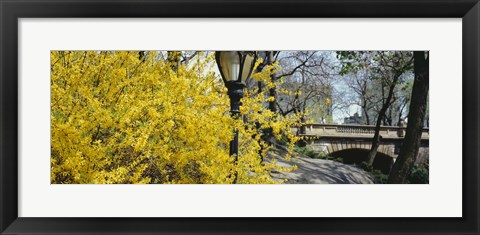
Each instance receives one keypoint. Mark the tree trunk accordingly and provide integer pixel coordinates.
(365, 111)
(367, 118)
(272, 105)
(141, 55)
(303, 128)
(381, 115)
(173, 58)
(418, 105)
(389, 117)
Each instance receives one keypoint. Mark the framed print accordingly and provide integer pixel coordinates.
(189, 116)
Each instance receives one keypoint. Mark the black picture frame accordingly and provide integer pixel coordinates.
(11, 11)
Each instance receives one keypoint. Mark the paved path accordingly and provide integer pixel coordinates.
(319, 171)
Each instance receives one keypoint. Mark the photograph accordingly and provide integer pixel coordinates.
(239, 117)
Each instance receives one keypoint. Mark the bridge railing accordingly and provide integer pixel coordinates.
(336, 130)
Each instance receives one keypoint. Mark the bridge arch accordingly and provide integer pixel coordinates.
(334, 139)
(333, 146)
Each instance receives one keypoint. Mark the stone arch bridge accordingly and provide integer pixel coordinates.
(343, 139)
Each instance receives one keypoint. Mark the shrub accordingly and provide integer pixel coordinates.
(118, 118)
(312, 153)
(418, 175)
(378, 176)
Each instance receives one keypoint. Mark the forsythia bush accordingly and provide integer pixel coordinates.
(120, 118)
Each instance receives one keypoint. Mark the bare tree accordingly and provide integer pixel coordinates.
(386, 71)
(391, 68)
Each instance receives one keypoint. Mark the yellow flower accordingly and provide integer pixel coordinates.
(120, 118)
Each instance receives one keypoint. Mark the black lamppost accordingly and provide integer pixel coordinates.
(235, 67)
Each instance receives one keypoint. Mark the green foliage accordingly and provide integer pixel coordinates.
(380, 63)
(305, 151)
(366, 167)
(378, 176)
(349, 62)
(312, 153)
(418, 175)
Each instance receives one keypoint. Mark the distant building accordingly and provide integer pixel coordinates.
(355, 119)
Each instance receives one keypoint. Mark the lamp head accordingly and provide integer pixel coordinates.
(235, 66)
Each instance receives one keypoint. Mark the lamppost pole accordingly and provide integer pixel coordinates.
(235, 67)
(235, 93)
